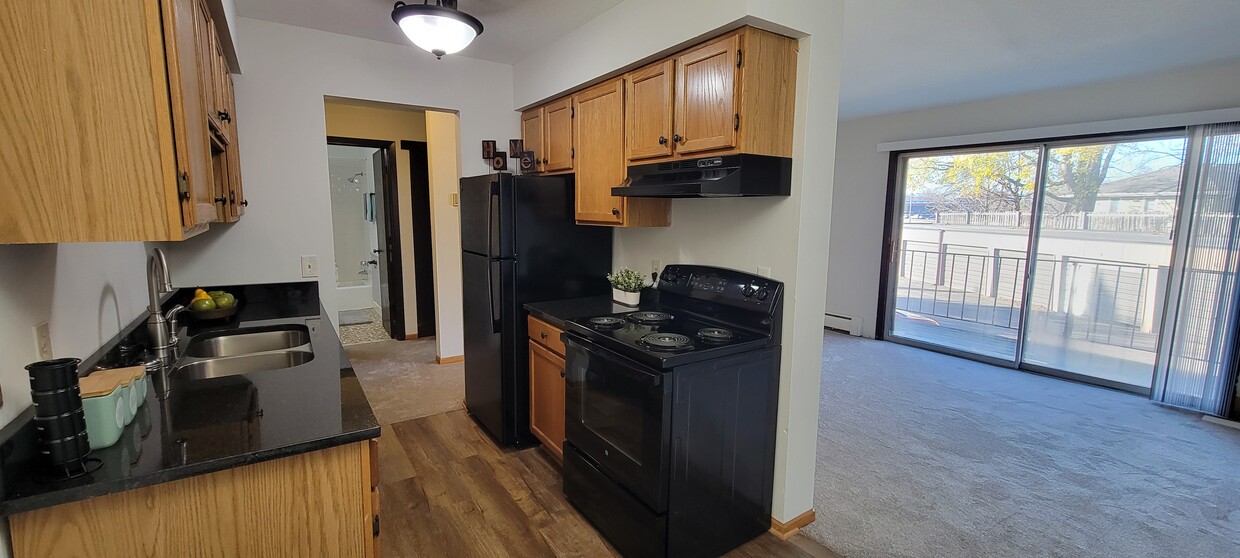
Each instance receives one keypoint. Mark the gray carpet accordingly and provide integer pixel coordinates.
(921, 454)
(402, 381)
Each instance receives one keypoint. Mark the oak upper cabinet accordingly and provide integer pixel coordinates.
(547, 386)
(112, 143)
(601, 165)
(706, 97)
(733, 94)
(648, 111)
(558, 135)
(532, 135)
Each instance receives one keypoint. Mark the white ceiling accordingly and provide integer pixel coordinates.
(898, 54)
(511, 29)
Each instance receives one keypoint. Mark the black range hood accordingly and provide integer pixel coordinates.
(727, 176)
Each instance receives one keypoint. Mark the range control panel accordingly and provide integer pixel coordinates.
(722, 286)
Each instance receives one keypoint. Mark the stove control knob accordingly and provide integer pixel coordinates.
(763, 293)
(748, 291)
(669, 277)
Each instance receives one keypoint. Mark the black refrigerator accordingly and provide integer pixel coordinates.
(520, 243)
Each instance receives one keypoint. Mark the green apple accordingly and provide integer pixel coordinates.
(202, 305)
(224, 300)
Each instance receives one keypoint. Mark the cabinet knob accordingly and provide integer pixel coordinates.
(543, 335)
(662, 140)
(544, 161)
(561, 373)
(615, 211)
(678, 138)
(245, 203)
(224, 116)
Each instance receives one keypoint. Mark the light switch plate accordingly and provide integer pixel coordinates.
(309, 266)
(43, 341)
(455, 198)
(764, 271)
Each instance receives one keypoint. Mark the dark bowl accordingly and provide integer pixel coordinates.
(217, 314)
(54, 374)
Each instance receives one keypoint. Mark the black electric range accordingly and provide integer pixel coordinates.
(689, 378)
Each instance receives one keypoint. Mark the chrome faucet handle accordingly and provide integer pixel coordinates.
(172, 316)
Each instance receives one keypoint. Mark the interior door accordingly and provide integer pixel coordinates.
(648, 111)
(600, 144)
(706, 94)
(558, 141)
(384, 256)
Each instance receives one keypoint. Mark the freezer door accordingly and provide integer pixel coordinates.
(490, 363)
(486, 215)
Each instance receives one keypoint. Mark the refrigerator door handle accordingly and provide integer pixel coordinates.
(492, 215)
(493, 297)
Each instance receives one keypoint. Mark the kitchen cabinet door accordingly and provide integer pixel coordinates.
(706, 97)
(648, 94)
(532, 136)
(600, 144)
(189, 92)
(558, 135)
(547, 398)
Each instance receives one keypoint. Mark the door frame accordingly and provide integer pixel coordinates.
(423, 245)
(389, 189)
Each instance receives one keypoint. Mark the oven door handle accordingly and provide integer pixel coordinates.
(627, 366)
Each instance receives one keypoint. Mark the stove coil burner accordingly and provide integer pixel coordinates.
(606, 322)
(667, 342)
(714, 335)
(650, 317)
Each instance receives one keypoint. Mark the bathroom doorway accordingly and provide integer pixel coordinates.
(366, 237)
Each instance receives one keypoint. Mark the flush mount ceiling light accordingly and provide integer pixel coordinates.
(437, 28)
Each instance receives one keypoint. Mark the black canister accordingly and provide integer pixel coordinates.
(49, 375)
(59, 418)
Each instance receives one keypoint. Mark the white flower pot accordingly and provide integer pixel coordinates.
(626, 298)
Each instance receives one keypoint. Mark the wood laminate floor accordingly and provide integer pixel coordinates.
(447, 490)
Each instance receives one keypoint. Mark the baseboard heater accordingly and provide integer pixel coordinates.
(843, 324)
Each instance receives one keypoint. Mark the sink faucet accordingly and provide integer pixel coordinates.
(161, 328)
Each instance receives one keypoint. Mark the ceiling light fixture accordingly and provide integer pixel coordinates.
(439, 28)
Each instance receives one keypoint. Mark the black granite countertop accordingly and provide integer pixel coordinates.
(214, 424)
(556, 312)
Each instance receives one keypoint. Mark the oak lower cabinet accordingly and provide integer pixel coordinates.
(321, 503)
(108, 139)
(547, 386)
(600, 166)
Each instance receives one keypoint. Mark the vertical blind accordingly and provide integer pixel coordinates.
(1201, 358)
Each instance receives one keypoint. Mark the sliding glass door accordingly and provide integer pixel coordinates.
(961, 250)
(1054, 256)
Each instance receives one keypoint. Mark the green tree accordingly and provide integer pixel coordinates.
(994, 181)
(1075, 174)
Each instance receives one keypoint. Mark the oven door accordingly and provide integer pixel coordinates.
(618, 414)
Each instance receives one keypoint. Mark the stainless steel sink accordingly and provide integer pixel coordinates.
(248, 342)
(245, 364)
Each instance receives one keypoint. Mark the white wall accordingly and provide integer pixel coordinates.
(856, 236)
(281, 128)
(786, 234)
(85, 292)
(444, 129)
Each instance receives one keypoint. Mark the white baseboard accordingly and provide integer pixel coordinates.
(843, 323)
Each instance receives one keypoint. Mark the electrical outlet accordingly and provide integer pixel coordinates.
(656, 266)
(764, 271)
(43, 341)
(309, 266)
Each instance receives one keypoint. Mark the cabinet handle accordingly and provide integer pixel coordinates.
(221, 199)
(678, 138)
(615, 211)
(245, 203)
(662, 140)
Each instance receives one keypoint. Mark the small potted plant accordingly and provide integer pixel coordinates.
(626, 286)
